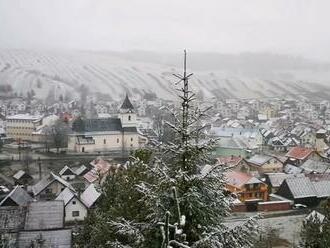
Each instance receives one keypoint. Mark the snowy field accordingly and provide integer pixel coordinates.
(63, 73)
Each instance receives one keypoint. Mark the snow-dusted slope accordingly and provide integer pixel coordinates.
(110, 73)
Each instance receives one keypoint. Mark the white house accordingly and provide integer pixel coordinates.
(74, 208)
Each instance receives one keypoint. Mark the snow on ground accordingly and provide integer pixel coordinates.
(108, 73)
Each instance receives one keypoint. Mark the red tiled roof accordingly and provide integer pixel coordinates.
(299, 153)
(236, 178)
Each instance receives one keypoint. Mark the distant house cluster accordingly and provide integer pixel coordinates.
(41, 212)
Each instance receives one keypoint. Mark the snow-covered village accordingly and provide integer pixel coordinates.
(164, 124)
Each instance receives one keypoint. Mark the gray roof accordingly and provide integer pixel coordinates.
(98, 125)
(322, 188)
(43, 183)
(130, 129)
(81, 170)
(291, 169)
(43, 215)
(127, 104)
(66, 195)
(259, 159)
(301, 187)
(19, 174)
(12, 218)
(276, 179)
(315, 166)
(19, 196)
(53, 238)
(65, 170)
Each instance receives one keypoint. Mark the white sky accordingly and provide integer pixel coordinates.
(298, 27)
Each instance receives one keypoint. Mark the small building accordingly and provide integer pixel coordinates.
(275, 180)
(75, 209)
(50, 187)
(265, 164)
(246, 187)
(297, 155)
(22, 178)
(67, 173)
(17, 197)
(299, 189)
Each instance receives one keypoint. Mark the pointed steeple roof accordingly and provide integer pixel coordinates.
(127, 104)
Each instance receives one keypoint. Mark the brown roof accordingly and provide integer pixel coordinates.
(229, 160)
(299, 153)
(238, 179)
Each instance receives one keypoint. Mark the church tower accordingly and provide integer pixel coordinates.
(127, 114)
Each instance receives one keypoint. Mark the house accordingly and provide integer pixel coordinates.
(67, 173)
(237, 163)
(305, 191)
(39, 224)
(236, 141)
(275, 180)
(44, 224)
(297, 155)
(265, 163)
(47, 238)
(75, 208)
(100, 169)
(246, 187)
(50, 187)
(298, 189)
(231, 161)
(43, 215)
(110, 134)
(22, 178)
(17, 197)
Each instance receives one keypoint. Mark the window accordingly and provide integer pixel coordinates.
(74, 202)
(117, 140)
(132, 139)
(75, 213)
(129, 117)
(104, 141)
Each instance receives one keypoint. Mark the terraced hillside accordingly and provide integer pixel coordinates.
(114, 74)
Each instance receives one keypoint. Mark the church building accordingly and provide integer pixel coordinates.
(107, 134)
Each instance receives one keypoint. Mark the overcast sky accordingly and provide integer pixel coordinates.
(298, 27)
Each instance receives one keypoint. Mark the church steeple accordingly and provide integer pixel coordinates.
(126, 113)
(127, 105)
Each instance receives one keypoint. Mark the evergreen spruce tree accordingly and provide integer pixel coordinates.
(315, 232)
(174, 197)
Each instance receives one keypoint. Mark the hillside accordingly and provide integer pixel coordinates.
(114, 74)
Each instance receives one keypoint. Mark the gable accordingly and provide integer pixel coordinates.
(8, 202)
(67, 172)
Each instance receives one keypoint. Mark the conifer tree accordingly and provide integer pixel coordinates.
(174, 198)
